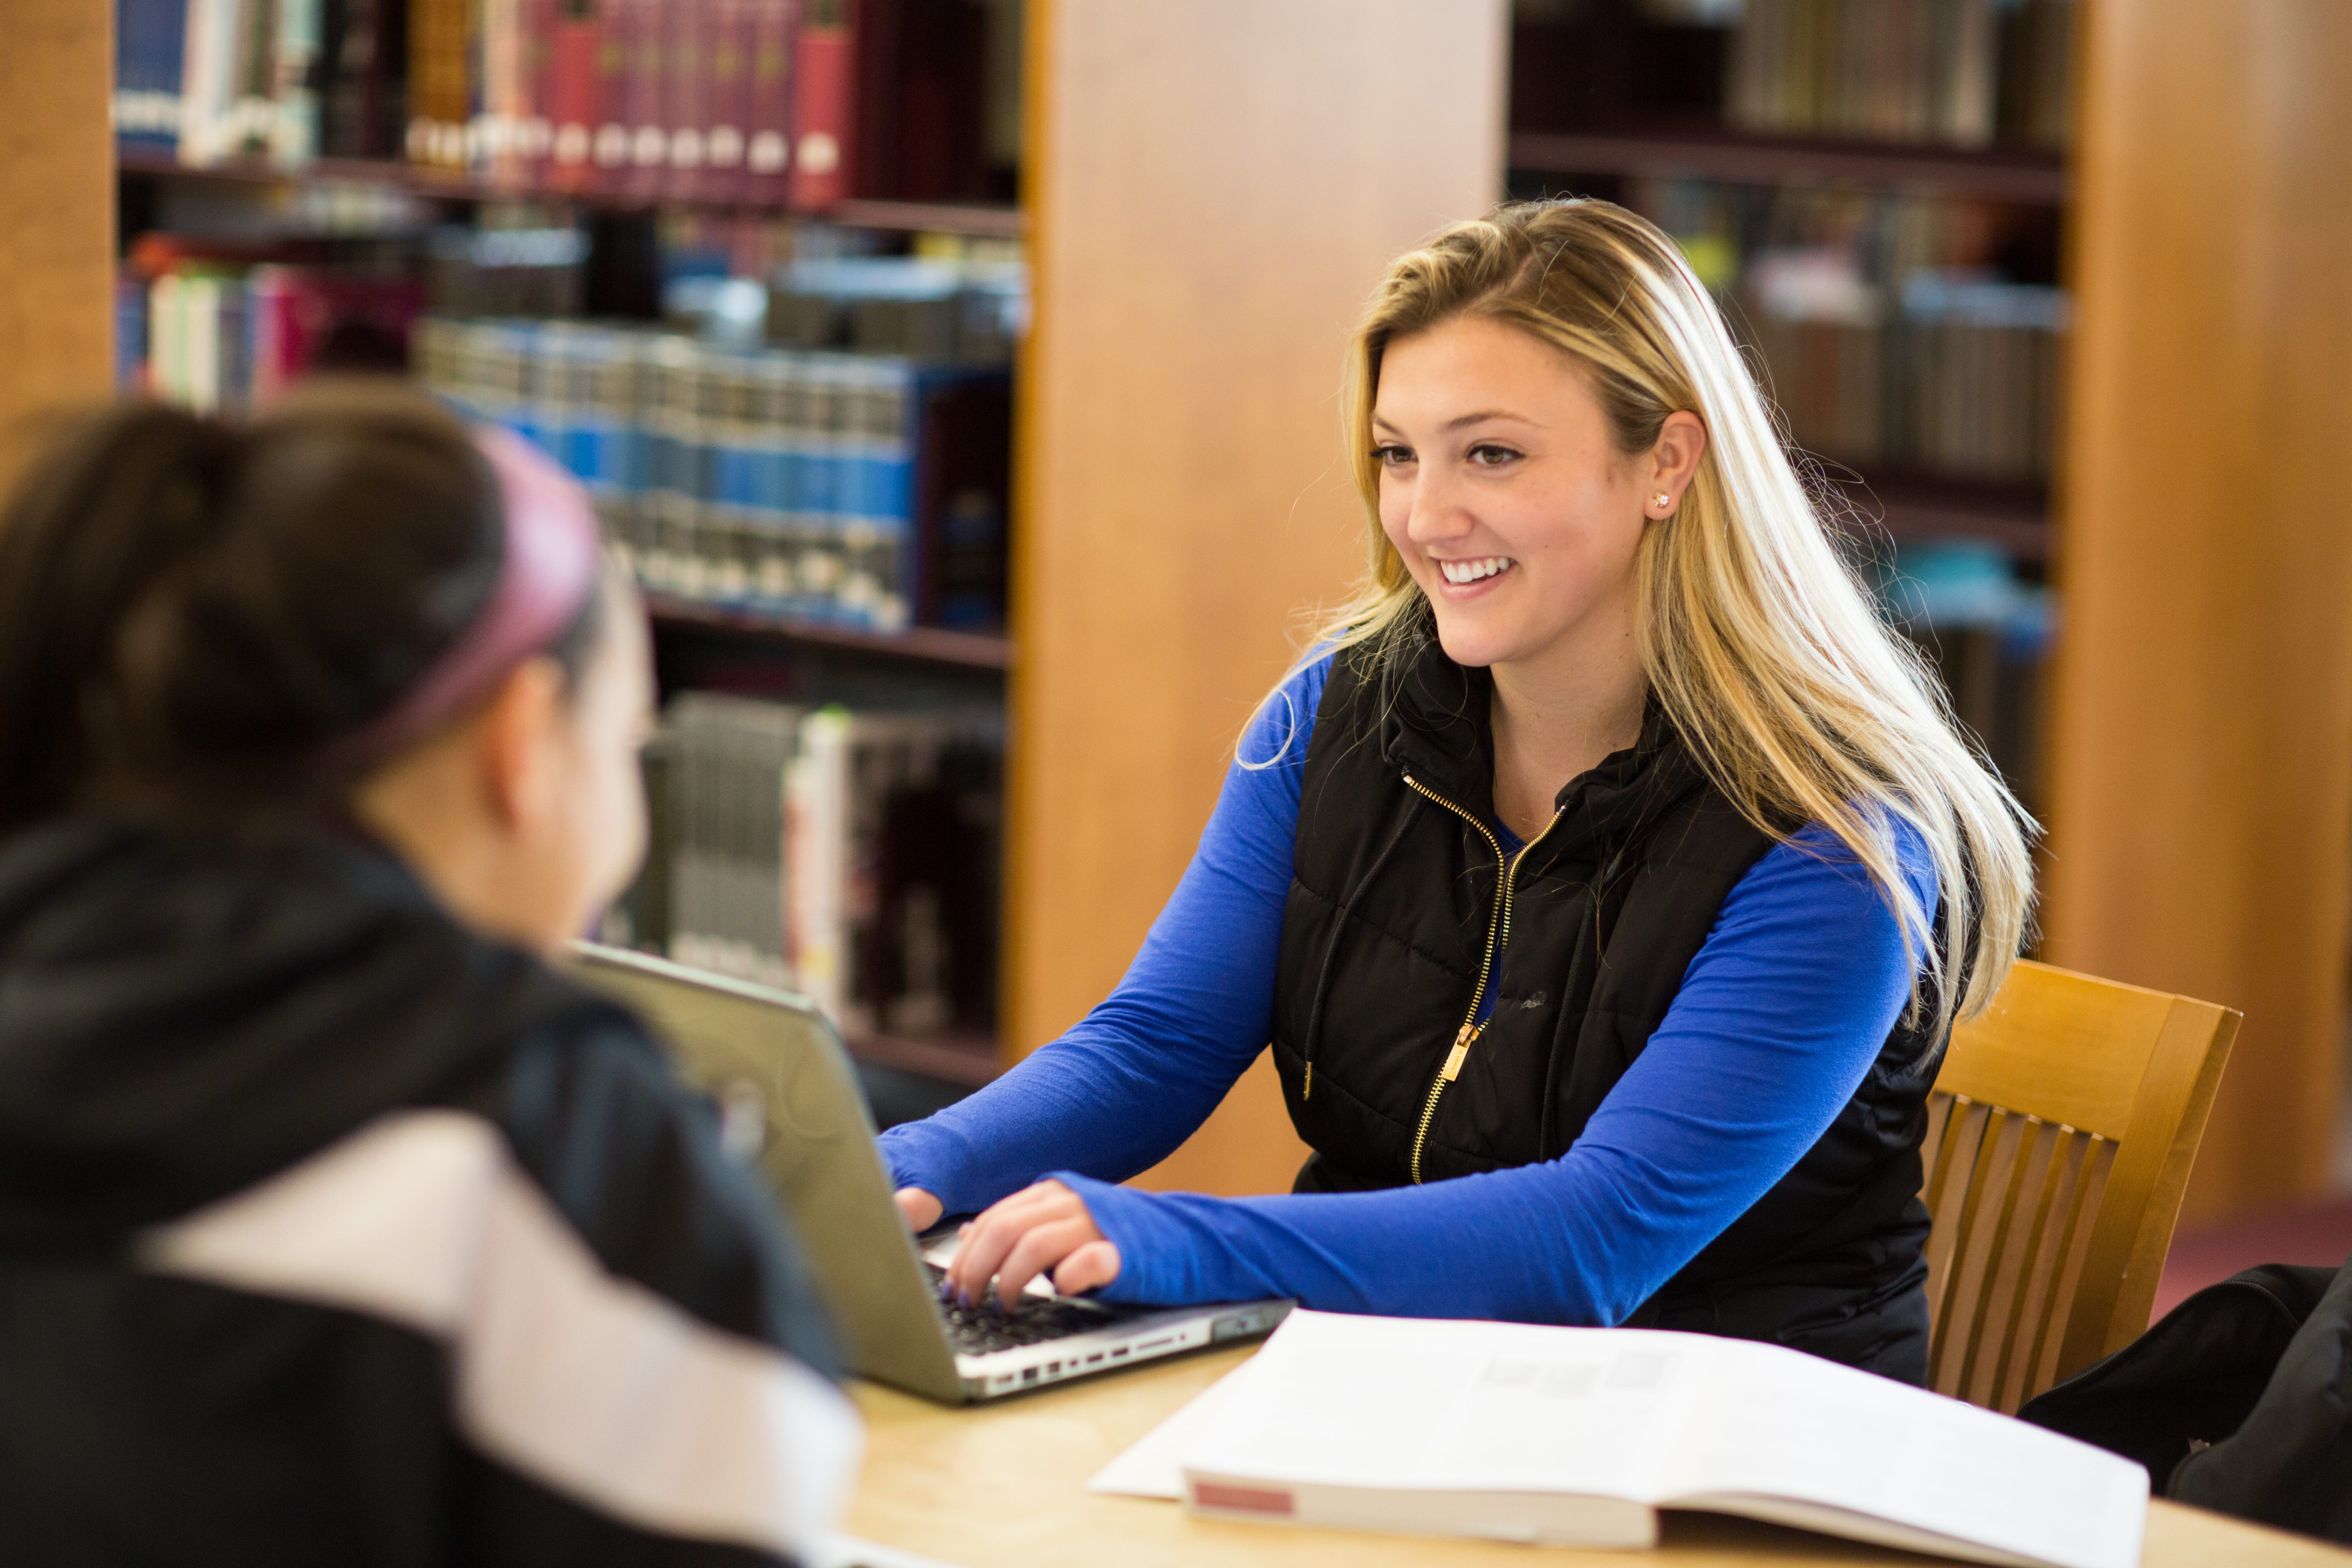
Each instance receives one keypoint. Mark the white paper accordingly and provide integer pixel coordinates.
(1154, 1466)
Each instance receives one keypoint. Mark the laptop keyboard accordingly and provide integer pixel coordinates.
(979, 1328)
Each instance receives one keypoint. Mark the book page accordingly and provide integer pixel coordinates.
(1454, 1406)
(1776, 1423)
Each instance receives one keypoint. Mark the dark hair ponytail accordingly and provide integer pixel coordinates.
(192, 610)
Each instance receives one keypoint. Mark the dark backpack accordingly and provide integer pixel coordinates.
(2239, 1400)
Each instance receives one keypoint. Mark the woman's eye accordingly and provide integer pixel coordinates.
(1487, 454)
(1392, 456)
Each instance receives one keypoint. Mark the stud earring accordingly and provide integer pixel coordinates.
(1662, 500)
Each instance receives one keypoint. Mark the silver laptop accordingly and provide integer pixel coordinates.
(788, 1098)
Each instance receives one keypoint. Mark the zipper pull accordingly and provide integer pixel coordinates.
(1460, 1053)
(1307, 1091)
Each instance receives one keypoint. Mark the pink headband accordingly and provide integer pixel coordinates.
(548, 568)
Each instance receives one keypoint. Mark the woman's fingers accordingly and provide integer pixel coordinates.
(1039, 1250)
(1090, 1267)
(1017, 1239)
(990, 1237)
(920, 1209)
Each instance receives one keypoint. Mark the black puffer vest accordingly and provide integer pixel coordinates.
(1402, 905)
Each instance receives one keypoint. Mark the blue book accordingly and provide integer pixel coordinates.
(150, 53)
(129, 334)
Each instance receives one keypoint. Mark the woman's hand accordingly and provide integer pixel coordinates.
(1041, 1229)
(922, 1210)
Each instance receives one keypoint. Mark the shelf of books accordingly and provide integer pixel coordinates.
(1875, 191)
(976, 220)
(753, 271)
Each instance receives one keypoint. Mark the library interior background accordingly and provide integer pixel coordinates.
(889, 337)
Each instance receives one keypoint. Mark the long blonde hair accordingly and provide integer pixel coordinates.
(1763, 648)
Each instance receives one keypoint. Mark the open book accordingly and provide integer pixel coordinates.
(1578, 1436)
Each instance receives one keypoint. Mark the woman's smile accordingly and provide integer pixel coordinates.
(1474, 573)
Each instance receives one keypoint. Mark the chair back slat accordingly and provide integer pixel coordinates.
(1997, 1282)
(2059, 1138)
(2058, 1154)
(2094, 1159)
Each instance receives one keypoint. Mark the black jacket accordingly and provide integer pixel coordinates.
(2239, 1400)
(332, 1233)
(1400, 908)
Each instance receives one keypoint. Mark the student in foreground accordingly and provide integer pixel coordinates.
(1606, 879)
(334, 1226)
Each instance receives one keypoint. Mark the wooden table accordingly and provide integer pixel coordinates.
(1004, 1487)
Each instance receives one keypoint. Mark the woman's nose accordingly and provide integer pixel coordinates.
(1437, 512)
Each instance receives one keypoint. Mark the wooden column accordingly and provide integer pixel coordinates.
(56, 204)
(2202, 776)
(1213, 187)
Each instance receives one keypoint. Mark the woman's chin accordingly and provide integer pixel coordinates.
(1472, 644)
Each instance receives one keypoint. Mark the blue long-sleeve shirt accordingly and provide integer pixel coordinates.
(1779, 1016)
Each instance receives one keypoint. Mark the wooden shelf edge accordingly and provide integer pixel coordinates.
(2000, 173)
(2015, 519)
(932, 644)
(948, 218)
(970, 1060)
(941, 218)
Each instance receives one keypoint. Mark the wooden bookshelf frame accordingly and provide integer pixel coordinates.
(1991, 174)
(1213, 189)
(56, 210)
(929, 645)
(2200, 791)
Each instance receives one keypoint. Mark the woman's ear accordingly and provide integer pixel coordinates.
(1674, 458)
(515, 760)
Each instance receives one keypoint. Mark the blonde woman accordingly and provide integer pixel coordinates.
(1606, 881)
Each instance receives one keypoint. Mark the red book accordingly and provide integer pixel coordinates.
(768, 114)
(575, 93)
(641, 45)
(824, 107)
(686, 93)
(728, 70)
(534, 134)
(297, 313)
(609, 157)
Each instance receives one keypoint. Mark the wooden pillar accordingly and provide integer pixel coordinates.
(56, 204)
(2201, 776)
(1213, 187)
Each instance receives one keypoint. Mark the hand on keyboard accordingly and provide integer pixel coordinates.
(991, 1326)
(1041, 1229)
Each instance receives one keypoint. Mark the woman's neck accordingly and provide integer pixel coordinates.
(1557, 715)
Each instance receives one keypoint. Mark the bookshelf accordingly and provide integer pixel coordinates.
(856, 424)
(2198, 755)
(1864, 189)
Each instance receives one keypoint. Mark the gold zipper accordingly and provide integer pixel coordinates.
(1499, 931)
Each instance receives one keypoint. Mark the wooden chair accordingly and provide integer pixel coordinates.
(2059, 1134)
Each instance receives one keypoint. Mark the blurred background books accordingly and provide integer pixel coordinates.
(752, 269)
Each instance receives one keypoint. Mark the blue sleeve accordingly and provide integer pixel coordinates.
(1779, 1016)
(1118, 1092)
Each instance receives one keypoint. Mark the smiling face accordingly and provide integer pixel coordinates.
(1502, 490)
